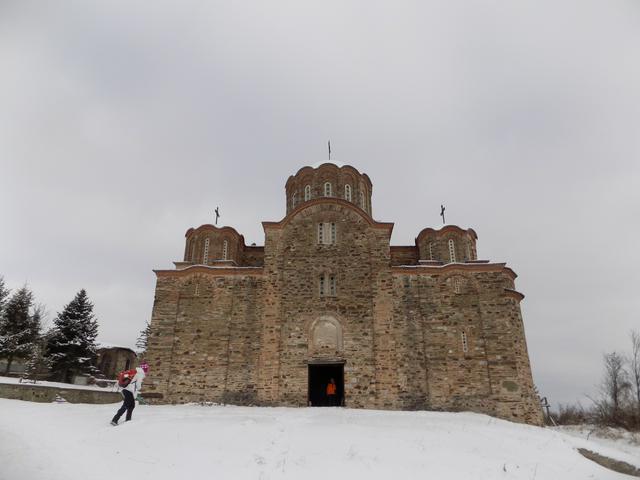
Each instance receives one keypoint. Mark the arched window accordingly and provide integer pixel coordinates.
(307, 193)
(361, 199)
(225, 250)
(452, 250)
(193, 251)
(294, 199)
(347, 192)
(327, 189)
(205, 254)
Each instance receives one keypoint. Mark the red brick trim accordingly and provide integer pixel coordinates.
(208, 226)
(333, 166)
(514, 294)
(212, 271)
(316, 201)
(446, 229)
(462, 267)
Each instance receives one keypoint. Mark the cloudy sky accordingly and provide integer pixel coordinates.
(122, 124)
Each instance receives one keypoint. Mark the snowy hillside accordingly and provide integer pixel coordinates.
(76, 442)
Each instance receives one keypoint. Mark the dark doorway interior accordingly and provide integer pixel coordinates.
(319, 376)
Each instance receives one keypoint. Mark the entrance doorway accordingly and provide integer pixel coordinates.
(320, 374)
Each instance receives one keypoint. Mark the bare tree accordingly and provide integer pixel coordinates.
(614, 388)
(634, 367)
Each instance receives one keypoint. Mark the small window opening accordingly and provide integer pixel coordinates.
(294, 199)
(307, 193)
(457, 285)
(322, 286)
(465, 345)
(225, 250)
(332, 285)
(431, 251)
(197, 290)
(321, 233)
(327, 189)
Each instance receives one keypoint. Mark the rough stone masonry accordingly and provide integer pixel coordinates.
(419, 327)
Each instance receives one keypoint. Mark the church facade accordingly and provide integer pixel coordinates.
(427, 326)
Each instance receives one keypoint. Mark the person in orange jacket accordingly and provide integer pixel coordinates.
(331, 393)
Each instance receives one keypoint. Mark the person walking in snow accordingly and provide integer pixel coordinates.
(130, 391)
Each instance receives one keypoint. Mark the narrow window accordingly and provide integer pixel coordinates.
(294, 199)
(327, 189)
(225, 250)
(307, 193)
(197, 289)
(205, 255)
(456, 285)
(431, 251)
(332, 285)
(347, 192)
(452, 251)
(327, 233)
(465, 345)
(322, 285)
(193, 251)
(362, 200)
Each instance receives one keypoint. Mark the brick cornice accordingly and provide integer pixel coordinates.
(213, 228)
(446, 229)
(450, 267)
(328, 200)
(514, 294)
(329, 165)
(212, 271)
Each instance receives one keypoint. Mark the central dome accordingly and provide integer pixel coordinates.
(329, 179)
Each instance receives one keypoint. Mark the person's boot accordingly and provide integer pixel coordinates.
(114, 422)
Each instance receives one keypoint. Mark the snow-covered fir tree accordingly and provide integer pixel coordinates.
(71, 348)
(4, 293)
(19, 331)
(38, 362)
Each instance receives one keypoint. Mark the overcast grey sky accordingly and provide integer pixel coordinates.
(122, 124)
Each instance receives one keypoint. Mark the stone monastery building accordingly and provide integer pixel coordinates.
(425, 326)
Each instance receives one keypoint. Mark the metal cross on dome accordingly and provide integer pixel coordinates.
(217, 212)
(442, 213)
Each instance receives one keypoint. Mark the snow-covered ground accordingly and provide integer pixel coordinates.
(75, 442)
(616, 438)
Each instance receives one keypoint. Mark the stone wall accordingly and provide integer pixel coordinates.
(47, 394)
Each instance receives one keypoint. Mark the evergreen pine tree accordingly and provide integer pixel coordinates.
(143, 339)
(38, 362)
(18, 331)
(71, 349)
(4, 293)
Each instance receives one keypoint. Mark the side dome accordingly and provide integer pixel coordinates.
(449, 244)
(329, 180)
